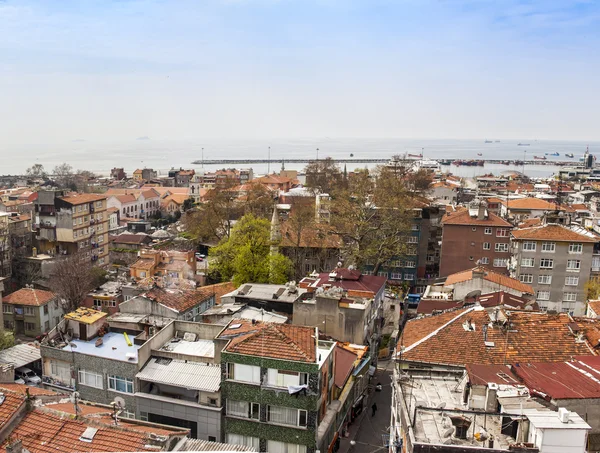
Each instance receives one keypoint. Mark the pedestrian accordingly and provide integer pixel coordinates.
(374, 409)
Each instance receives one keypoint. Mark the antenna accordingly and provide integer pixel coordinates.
(118, 405)
(75, 400)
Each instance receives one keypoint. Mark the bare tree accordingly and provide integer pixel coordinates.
(72, 278)
(63, 175)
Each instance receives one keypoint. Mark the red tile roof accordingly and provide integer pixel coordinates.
(574, 379)
(491, 276)
(43, 432)
(532, 337)
(350, 282)
(277, 341)
(463, 217)
(344, 364)
(13, 403)
(552, 232)
(529, 203)
(595, 306)
(29, 296)
(428, 306)
(80, 198)
(22, 389)
(179, 300)
(219, 290)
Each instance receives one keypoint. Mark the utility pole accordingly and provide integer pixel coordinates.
(202, 157)
(269, 163)
(317, 154)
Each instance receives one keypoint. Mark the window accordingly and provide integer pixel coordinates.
(409, 277)
(8, 324)
(90, 379)
(501, 247)
(527, 262)
(486, 246)
(119, 384)
(502, 232)
(30, 327)
(411, 264)
(243, 409)
(411, 251)
(548, 247)
(47, 326)
(487, 230)
(243, 373)
(415, 227)
(573, 265)
(413, 239)
(575, 248)
(283, 447)
(543, 295)
(526, 278)
(570, 297)
(529, 246)
(485, 260)
(142, 274)
(99, 204)
(571, 281)
(7, 308)
(248, 441)
(286, 416)
(546, 263)
(545, 279)
(283, 378)
(500, 262)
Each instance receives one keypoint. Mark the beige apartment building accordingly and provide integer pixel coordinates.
(73, 223)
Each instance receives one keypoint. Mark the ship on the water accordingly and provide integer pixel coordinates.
(523, 144)
(540, 157)
(569, 155)
(487, 141)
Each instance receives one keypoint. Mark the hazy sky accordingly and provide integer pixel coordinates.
(118, 70)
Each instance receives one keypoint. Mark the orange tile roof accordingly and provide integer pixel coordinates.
(552, 232)
(532, 337)
(530, 222)
(112, 209)
(463, 217)
(529, 203)
(490, 276)
(19, 218)
(13, 402)
(219, 290)
(180, 300)
(595, 306)
(143, 264)
(80, 198)
(125, 198)
(579, 207)
(43, 432)
(29, 296)
(277, 341)
(22, 389)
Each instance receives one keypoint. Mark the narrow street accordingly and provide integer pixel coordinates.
(369, 431)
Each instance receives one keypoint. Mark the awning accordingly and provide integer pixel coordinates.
(190, 375)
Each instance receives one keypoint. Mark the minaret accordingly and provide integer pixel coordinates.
(275, 232)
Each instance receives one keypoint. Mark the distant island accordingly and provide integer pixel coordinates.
(145, 137)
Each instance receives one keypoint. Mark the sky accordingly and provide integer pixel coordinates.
(116, 70)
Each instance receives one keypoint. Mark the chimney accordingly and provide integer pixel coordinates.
(481, 211)
(15, 447)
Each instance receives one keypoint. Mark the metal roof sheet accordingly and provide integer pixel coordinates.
(190, 375)
(20, 355)
(206, 445)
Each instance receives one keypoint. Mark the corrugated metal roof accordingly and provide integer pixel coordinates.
(20, 355)
(205, 445)
(190, 375)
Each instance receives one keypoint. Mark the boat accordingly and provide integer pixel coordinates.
(523, 144)
(487, 141)
(540, 158)
(445, 161)
(569, 155)
(497, 141)
(468, 163)
(427, 165)
(351, 154)
(479, 154)
(555, 154)
(419, 156)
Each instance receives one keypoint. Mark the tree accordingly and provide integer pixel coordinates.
(259, 200)
(188, 204)
(245, 256)
(63, 176)
(302, 218)
(419, 182)
(72, 278)
(372, 217)
(592, 289)
(322, 176)
(36, 171)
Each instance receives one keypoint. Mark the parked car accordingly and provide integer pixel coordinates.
(27, 375)
(19, 381)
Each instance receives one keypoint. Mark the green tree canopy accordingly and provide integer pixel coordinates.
(245, 255)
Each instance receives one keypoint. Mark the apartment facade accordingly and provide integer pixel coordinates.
(557, 261)
(31, 312)
(134, 203)
(277, 385)
(74, 223)
(473, 237)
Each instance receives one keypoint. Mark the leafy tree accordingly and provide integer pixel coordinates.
(245, 255)
(372, 217)
(322, 176)
(7, 339)
(259, 200)
(592, 289)
(188, 204)
(419, 182)
(72, 278)
(36, 171)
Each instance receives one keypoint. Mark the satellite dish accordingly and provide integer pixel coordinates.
(119, 402)
(475, 293)
(74, 397)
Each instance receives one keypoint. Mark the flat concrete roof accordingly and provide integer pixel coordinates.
(113, 347)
